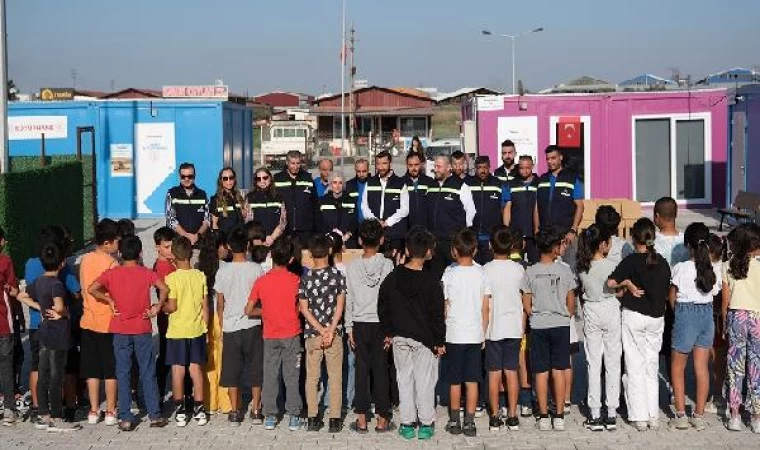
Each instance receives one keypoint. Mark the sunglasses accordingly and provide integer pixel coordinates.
(187, 177)
(232, 178)
(264, 178)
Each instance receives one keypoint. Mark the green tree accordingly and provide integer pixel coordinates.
(12, 91)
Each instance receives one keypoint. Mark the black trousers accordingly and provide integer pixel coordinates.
(485, 254)
(162, 370)
(50, 385)
(371, 359)
(441, 257)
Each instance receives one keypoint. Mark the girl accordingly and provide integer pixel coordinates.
(693, 286)
(720, 346)
(227, 207)
(741, 315)
(643, 278)
(213, 253)
(266, 206)
(601, 325)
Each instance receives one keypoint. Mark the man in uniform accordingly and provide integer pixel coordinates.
(417, 185)
(520, 198)
(487, 196)
(187, 206)
(508, 171)
(559, 197)
(296, 187)
(387, 200)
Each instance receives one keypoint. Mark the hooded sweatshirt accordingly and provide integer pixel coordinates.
(363, 278)
(411, 305)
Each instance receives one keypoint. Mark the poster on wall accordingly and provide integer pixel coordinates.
(523, 131)
(155, 159)
(122, 163)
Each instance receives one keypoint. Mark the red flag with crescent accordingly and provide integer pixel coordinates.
(569, 132)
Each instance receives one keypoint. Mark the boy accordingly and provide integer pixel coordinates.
(8, 308)
(505, 327)
(273, 298)
(549, 300)
(411, 312)
(187, 308)
(257, 238)
(322, 297)
(363, 279)
(467, 293)
(163, 266)
(47, 295)
(97, 360)
(242, 345)
(126, 289)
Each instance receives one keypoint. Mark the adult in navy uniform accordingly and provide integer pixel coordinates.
(559, 197)
(520, 203)
(508, 171)
(187, 206)
(487, 194)
(337, 210)
(417, 184)
(296, 187)
(355, 186)
(267, 206)
(227, 207)
(387, 200)
(450, 208)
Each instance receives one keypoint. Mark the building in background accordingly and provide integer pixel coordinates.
(460, 95)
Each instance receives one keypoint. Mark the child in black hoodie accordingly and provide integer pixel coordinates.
(411, 313)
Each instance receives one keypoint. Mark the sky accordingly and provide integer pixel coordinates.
(257, 46)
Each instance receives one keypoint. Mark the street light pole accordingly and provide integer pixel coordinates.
(343, 86)
(3, 93)
(513, 37)
(514, 74)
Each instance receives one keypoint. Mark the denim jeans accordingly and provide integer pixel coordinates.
(141, 345)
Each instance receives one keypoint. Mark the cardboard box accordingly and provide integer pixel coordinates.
(348, 256)
(631, 210)
(589, 210)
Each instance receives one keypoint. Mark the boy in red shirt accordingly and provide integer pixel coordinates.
(274, 297)
(163, 266)
(9, 285)
(126, 289)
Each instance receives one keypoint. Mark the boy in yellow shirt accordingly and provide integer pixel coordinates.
(187, 308)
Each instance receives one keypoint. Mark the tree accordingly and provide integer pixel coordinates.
(12, 91)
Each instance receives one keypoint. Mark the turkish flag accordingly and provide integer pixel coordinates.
(569, 132)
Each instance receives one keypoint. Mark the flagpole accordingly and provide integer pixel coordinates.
(343, 86)
(3, 93)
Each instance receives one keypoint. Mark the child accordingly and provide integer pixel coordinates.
(363, 279)
(257, 238)
(601, 325)
(322, 297)
(720, 345)
(242, 345)
(126, 289)
(526, 397)
(336, 252)
(549, 299)
(186, 336)
(694, 285)
(645, 278)
(47, 295)
(163, 266)
(570, 259)
(741, 315)
(467, 293)
(506, 326)
(97, 361)
(608, 221)
(411, 309)
(8, 302)
(274, 298)
(214, 251)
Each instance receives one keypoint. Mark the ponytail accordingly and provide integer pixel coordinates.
(643, 233)
(589, 242)
(697, 237)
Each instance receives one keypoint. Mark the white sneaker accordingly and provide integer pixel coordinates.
(734, 423)
(93, 417)
(558, 423)
(480, 411)
(526, 411)
(698, 422)
(711, 408)
(111, 419)
(544, 424)
(504, 412)
(755, 426)
(642, 425)
(654, 424)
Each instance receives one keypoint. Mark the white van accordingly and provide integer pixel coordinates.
(443, 147)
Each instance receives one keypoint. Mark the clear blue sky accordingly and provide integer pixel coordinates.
(261, 45)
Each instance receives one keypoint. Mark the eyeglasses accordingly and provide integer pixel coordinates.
(264, 178)
(187, 177)
(232, 178)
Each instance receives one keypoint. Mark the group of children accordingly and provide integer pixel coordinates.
(249, 322)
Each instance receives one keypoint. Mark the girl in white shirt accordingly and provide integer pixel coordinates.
(694, 284)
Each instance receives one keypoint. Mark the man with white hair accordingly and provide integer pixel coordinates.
(450, 208)
(386, 199)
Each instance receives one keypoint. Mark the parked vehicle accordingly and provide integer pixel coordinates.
(443, 147)
(280, 137)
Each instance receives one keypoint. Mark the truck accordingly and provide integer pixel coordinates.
(281, 136)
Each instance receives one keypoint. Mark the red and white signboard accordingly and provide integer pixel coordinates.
(32, 127)
(211, 91)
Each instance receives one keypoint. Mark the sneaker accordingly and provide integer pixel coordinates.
(734, 423)
(32, 414)
(232, 419)
(59, 426)
(270, 422)
(407, 431)
(711, 408)
(335, 426)
(594, 424)
(23, 403)
(568, 407)
(180, 416)
(494, 423)
(256, 417)
(526, 411)
(642, 425)
(294, 423)
(70, 414)
(679, 422)
(755, 426)
(610, 423)
(111, 418)
(425, 432)
(314, 424)
(544, 424)
(480, 411)
(698, 422)
(503, 412)
(513, 423)
(200, 416)
(654, 424)
(10, 418)
(454, 427)
(93, 417)
(558, 423)
(469, 429)
(40, 424)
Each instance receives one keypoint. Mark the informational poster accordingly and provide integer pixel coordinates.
(523, 131)
(155, 159)
(122, 160)
(491, 103)
(32, 127)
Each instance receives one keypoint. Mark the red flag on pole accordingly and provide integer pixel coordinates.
(569, 132)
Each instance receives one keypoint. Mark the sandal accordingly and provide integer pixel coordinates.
(360, 430)
(159, 423)
(126, 426)
(389, 426)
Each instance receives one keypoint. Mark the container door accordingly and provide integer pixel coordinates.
(738, 153)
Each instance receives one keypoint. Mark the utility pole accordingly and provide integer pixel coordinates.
(351, 99)
(74, 78)
(343, 85)
(3, 93)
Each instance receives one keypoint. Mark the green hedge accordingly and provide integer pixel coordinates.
(37, 197)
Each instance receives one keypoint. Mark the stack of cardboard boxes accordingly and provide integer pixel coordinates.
(629, 210)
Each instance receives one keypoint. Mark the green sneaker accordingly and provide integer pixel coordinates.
(426, 432)
(406, 431)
